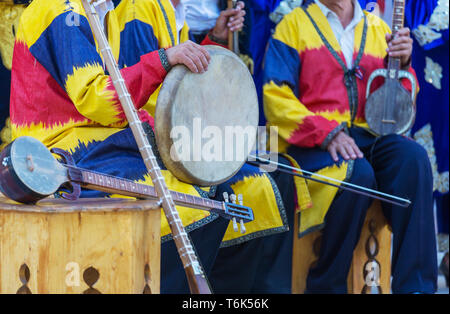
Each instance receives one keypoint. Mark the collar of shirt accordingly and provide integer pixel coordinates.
(201, 16)
(180, 16)
(357, 13)
(103, 7)
(345, 37)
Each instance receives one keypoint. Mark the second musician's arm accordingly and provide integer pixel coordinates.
(70, 55)
(230, 20)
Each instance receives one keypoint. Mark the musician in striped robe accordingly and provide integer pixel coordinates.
(158, 29)
(316, 72)
(62, 95)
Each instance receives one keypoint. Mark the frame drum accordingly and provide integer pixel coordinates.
(206, 124)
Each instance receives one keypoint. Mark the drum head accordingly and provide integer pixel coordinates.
(205, 124)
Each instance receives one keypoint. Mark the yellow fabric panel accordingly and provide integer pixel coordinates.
(87, 88)
(113, 35)
(283, 109)
(67, 137)
(258, 195)
(150, 106)
(304, 200)
(311, 37)
(376, 43)
(40, 14)
(287, 30)
(335, 115)
(188, 215)
(361, 122)
(149, 12)
(161, 31)
(322, 197)
(184, 33)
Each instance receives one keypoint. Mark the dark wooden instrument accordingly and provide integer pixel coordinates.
(196, 277)
(233, 37)
(308, 175)
(29, 173)
(391, 109)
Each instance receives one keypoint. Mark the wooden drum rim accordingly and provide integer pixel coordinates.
(169, 100)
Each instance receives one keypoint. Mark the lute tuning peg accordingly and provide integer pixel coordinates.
(241, 202)
(235, 225)
(225, 197)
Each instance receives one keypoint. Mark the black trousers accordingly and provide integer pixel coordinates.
(398, 166)
(262, 265)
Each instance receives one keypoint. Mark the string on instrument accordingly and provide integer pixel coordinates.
(384, 197)
(196, 277)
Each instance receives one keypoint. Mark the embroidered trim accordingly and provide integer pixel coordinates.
(164, 61)
(348, 176)
(210, 194)
(284, 8)
(424, 137)
(429, 32)
(192, 226)
(349, 75)
(166, 19)
(151, 138)
(309, 230)
(332, 134)
(433, 73)
(217, 40)
(267, 232)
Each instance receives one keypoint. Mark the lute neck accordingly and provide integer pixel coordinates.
(115, 185)
(398, 21)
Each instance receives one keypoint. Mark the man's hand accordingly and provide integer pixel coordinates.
(401, 46)
(194, 56)
(345, 146)
(230, 20)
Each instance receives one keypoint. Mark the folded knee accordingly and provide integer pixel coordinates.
(413, 156)
(362, 174)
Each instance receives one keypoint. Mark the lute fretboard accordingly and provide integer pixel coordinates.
(398, 21)
(115, 185)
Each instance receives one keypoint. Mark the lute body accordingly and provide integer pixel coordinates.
(391, 109)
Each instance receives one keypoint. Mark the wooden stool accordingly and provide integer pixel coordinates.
(371, 267)
(87, 246)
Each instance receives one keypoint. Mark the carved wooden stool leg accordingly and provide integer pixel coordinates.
(371, 266)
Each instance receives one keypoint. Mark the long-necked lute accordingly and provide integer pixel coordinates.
(197, 280)
(29, 173)
(233, 37)
(391, 109)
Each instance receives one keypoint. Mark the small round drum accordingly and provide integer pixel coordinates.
(205, 124)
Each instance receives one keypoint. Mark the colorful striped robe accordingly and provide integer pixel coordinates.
(62, 95)
(306, 99)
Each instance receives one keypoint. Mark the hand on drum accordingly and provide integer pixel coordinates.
(193, 56)
(230, 20)
(345, 146)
